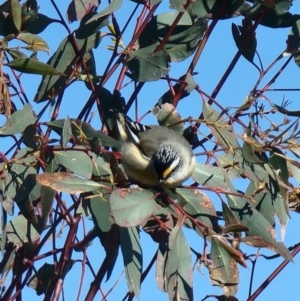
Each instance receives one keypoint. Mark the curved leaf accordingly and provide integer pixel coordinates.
(83, 132)
(35, 42)
(133, 258)
(146, 65)
(179, 268)
(224, 270)
(19, 231)
(257, 224)
(76, 161)
(65, 182)
(32, 66)
(131, 207)
(77, 9)
(18, 121)
(62, 60)
(16, 13)
(211, 176)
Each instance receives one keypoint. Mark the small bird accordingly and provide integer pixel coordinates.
(155, 156)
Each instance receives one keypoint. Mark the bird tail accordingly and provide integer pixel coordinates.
(129, 129)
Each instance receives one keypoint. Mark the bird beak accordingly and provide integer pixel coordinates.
(161, 182)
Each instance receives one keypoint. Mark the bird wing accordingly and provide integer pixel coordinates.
(154, 137)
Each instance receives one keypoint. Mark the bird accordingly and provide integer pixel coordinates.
(154, 156)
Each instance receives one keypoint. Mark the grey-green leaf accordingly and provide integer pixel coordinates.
(18, 121)
(16, 13)
(133, 258)
(146, 65)
(257, 224)
(32, 66)
(19, 231)
(76, 161)
(211, 176)
(65, 182)
(179, 268)
(131, 207)
(83, 132)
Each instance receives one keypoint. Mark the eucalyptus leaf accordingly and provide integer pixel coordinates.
(18, 121)
(19, 231)
(76, 161)
(33, 66)
(132, 257)
(179, 268)
(131, 207)
(65, 182)
(83, 132)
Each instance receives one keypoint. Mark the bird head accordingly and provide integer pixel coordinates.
(167, 163)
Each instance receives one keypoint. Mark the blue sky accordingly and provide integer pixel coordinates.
(215, 59)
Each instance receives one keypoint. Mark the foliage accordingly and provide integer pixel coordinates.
(68, 155)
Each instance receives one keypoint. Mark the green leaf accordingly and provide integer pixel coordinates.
(99, 207)
(223, 270)
(47, 198)
(274, 18)
(257, 224)
(220, 129)
(87, 28)
(179, 268)
(65, 182)
(160, 271)
(35, 42)
(45, 274)
(18, 121)
(152, 227)
(110, 241)
(278, 162)
(16, 54)
(77, 9)
(131, 207)
(211, 176)
(235, 228)
(295, 171)
(22, 197)
(183, 40)
(216, 8)
(100, 166)
(77, 161)
(40, 23)
(8, 206)
(16, 13)
(112, 7)
(178, 5)
(32, 66)
(18, 171)
(19, 231)
(293, 41)
(198, 205)
(63, 60)
(237, 255)
(66, 132)
(228, 215)
(145, 65)
(264, 202)
(241, 37)
(191, 83)
(167, 115)
(133, 258)
(30, 136)
(83, 132)
(249, 155)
